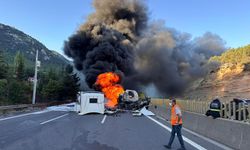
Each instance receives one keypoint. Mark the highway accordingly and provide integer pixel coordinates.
(59, 130)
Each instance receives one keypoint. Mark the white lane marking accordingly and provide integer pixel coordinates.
(40, 112)
(15, 116)
(203, 137)
(197, 146)
(53, 119)
(103, 120)
(33, 113)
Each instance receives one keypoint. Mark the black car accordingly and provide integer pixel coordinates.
(237, 101)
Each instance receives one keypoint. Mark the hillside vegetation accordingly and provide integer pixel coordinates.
(239, 55)
(230, 80)
(16, 82)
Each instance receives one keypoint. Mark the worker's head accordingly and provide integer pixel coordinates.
(173, 101)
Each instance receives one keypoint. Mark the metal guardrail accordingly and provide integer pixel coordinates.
(5, 109)
(229, 110)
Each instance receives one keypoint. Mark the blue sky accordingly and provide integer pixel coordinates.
(53, 21)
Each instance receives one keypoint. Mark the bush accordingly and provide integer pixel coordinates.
(51, 91)
(3, 91)
(19, 92)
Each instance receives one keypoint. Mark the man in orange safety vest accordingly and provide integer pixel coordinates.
(176, 122)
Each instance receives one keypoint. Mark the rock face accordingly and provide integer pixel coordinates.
(13, 40)
(227, 82)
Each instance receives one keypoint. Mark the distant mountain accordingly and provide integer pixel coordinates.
(13, 40)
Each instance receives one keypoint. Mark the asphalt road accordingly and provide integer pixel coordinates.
(56, 130)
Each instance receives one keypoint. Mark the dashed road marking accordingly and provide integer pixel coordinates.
(22, 115)
(53, 119)
(103, 120)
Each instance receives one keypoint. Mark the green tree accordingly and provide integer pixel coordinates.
(19, 66)
(70, 84)
(3, 91)
(3, 66)
(51, 91)
(29, 72)
(19, 92)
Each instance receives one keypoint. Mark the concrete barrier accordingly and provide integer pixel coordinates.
(231, 133)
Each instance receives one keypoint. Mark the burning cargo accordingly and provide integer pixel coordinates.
(130, 100)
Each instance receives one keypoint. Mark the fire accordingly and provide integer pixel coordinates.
(108, 84)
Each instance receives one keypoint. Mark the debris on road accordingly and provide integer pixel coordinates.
(146, 112)
(136, 113)
(64, 107)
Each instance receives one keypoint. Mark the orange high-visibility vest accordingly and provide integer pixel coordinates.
(174, 117)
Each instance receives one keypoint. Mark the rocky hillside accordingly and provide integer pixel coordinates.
(230, 80)
(13, 40)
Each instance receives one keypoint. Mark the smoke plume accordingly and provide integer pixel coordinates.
(118, 38)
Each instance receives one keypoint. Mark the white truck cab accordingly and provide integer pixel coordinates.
(91, 102)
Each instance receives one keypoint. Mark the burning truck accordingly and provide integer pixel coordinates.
(117, 97)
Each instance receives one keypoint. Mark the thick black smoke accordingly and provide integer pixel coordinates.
(118, 38)
(106, 41)
(172, 60)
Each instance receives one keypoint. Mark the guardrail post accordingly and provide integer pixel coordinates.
(244, 112)
(200, 107)
(207, 106)
(195, 106)
(185, 104)
(189, 105)
(239, 111)
(225, 110)
(204, 107)
(221, 109)
(229, 110)
(248, 113)
(234, 111)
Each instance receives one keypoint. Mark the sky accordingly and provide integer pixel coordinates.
(53, 21)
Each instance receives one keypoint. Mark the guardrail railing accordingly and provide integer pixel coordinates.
(229, 110)
(5, 109)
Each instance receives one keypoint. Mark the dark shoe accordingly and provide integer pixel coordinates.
(183, 148)
(167, 146)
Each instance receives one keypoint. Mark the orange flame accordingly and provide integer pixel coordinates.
(107, 82)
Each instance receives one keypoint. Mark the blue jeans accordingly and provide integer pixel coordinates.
(176, 129)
